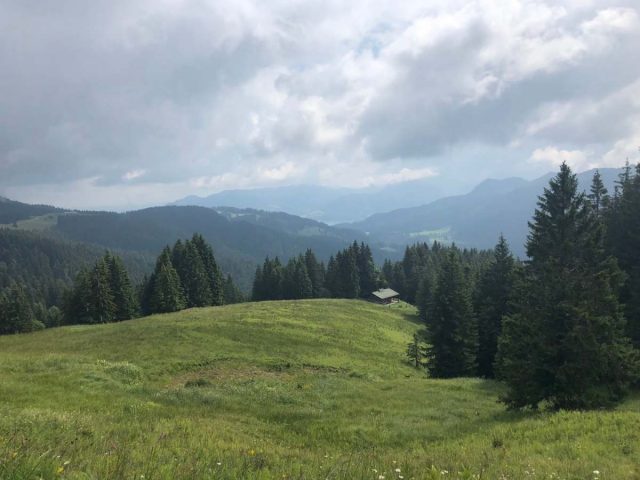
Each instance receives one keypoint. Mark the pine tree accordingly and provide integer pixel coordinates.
(492, 304)
(366, 270)
(258, 291)
(232, 293)
(623, 239)
(75, 305)
(166, 292)
(126, 305)
(316, 273)
(424, 294)
(102, 307)
(564, 344)
(16, 314)
(214, 274)
(452, 328)
(417, 350)
(598, 194)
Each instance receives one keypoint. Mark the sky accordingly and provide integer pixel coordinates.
(120, 104)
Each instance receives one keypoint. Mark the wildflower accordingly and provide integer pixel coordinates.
(380, 477)
(60, 470)
(397, 470)
(252, 452)
(218, 463)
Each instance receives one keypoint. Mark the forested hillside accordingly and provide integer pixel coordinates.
(473, 220)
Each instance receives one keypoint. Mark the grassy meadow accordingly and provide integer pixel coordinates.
(316, 389)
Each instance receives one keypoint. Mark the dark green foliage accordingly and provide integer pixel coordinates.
(194, 279)
(126, 305)
(47, 267)
(492, 301)
(343, 276)
(417, 350)
(101, 303)
(101, 294)
(564, 343)
(232, 293)
(296, 283)
(453, 335)
(213, 273)
(316, 274)
(598, 196)
(16, 313)
(623, 238)
(166, 294)
(367, 274)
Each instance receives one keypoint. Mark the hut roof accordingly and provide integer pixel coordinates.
(385, 293)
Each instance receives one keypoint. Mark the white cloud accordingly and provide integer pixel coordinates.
(555, 157)
(207, 94)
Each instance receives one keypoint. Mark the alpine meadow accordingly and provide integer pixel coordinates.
(320, 241)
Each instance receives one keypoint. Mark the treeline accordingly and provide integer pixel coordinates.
(554, 327)
(351, 273)
(186, 275)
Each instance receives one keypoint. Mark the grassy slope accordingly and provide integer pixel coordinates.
(313, 389)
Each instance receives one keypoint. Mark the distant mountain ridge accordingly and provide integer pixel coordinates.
(241, 238)
(475, 219)
(329, 205)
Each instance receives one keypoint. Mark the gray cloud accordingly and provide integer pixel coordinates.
(161, 98)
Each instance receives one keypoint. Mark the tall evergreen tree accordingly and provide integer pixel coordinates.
(166, 292)
(316, 273)
(598, 196)
(366, 270)
(16, 314)
(493, 297)
(102, 307)
(623, 238)
(214, 274)
(452, 328)
(564, 343)
(193, 275)
(126, 305)
(232, 293)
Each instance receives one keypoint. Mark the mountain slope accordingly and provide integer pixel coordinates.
(273, 390)
(241, 238)
(327, 204)
(472, 220)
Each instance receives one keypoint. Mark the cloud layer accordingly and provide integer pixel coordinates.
(120, 103)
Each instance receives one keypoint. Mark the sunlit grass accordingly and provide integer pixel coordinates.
(311, 389)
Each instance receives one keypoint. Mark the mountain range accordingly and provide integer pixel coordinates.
(475, 219)
(331, 205)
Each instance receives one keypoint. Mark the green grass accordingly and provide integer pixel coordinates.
(36, 224)
(277, 390)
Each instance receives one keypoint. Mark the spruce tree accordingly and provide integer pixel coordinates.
(232, 293)
(452, 328)
(366, 270)
(316, 273)
(564, 343)
(493, 298)
(16, 314)
(214, 274)
(623, 238)
(126, 305)
(102, 307)
(258, 291)
(166, 291)
(598, 196)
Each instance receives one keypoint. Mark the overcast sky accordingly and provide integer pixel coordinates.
(116, 103)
